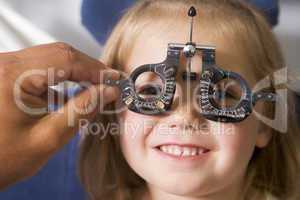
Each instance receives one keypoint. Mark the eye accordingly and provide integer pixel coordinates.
(222, 95)
(227, 93)
(149, 91)
(149, 85)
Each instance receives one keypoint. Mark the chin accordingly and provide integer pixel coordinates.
(183, 190)
(182, 185)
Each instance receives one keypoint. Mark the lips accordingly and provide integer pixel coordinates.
(182, 150)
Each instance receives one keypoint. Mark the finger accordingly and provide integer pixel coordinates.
(46, 65)
(76, 65)
(57, 128)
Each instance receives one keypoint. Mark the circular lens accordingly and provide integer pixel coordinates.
(226, 93)
(149, 86)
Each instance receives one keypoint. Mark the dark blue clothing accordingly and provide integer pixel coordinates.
(58, 179)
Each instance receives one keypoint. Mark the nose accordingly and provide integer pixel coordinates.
(185, 107)
(185, 110)
(186, 88)
(185, 116)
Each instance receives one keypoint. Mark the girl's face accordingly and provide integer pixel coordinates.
(182, 153)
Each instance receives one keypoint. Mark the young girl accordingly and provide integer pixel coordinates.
(231, 161)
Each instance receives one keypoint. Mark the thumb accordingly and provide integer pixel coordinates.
(60, 126)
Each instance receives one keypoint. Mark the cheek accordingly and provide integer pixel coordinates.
(236, 145)
(134, 130)
(136, 125)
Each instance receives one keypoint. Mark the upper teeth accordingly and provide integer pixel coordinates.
(182, 151)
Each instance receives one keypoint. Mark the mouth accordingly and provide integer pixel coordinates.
(182, 151)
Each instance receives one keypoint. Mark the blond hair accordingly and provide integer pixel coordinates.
(273, 170)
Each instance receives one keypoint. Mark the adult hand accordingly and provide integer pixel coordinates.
(27, 141)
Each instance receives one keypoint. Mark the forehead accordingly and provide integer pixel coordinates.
(151, 47)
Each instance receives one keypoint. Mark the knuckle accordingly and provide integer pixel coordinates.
(7, 64)
(4, 71)
(51, 146)
(8, 58)
(67, 51)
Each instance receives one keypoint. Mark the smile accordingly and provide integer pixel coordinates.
(182, 151)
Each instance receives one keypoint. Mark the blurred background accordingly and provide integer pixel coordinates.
(42, 20)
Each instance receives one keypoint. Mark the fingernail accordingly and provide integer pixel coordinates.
(111, 93)
(111, 74)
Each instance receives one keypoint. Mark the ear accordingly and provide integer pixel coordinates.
(264, 136)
